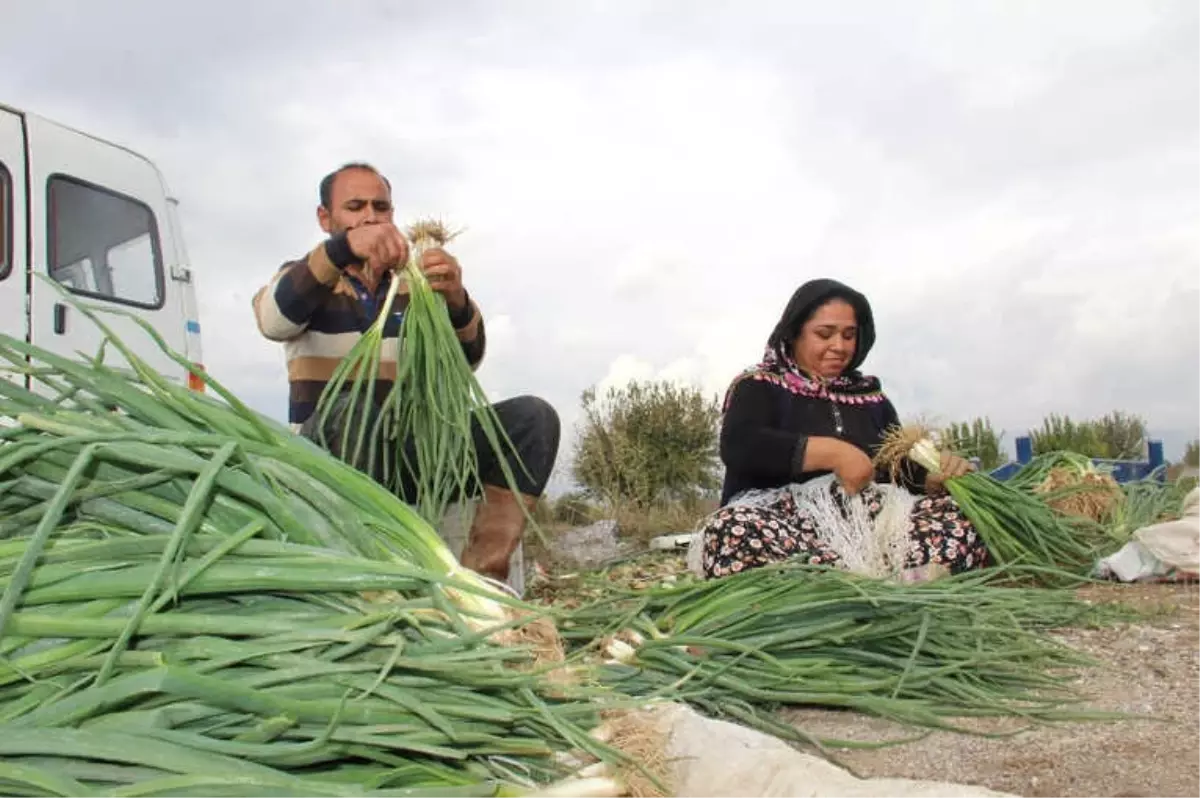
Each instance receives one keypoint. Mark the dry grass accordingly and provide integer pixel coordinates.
(547, 653)
(572, 589)
(641, 524)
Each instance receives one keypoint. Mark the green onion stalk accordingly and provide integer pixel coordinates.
(1016, 525)
(423, 430)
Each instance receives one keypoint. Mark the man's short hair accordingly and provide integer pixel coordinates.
(326, 188)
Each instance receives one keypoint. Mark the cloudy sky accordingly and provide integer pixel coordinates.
(1013, 184)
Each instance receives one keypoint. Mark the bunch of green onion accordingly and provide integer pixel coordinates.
(431, 404)
(1016, 525)
(792, 634)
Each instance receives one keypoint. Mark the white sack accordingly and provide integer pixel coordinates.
(709, 757)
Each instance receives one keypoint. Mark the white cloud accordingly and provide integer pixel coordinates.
(623, 371)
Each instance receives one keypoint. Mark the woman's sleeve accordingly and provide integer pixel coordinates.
(910, 476)
(750, 440)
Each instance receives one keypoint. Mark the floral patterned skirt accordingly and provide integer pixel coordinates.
(779, 525)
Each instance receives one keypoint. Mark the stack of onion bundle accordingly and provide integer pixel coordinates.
(195, 601)
(422, 430)
(1017, 525)
(1071, 483)
(792, 634)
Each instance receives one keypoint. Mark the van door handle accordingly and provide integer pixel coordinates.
(60, 318)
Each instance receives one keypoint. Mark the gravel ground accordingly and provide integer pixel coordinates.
(1151, 667)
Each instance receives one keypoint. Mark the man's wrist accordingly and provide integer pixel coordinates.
(337, 249)
(460, 317)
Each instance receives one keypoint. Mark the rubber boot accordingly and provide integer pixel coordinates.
(496, 531)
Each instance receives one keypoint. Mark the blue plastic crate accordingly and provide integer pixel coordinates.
(1122, 470)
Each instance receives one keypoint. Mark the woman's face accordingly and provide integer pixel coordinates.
(826, 342)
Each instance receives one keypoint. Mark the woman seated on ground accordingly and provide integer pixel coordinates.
(797, 438)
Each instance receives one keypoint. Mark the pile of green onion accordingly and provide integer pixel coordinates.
(792, 634)
(234, 665)
(194, 601)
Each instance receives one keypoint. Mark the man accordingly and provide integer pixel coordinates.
(319, 305)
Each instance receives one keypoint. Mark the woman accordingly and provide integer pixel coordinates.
(797, 438)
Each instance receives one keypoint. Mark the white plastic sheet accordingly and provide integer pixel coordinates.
(711, 757)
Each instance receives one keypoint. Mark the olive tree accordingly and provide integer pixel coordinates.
(647, 442)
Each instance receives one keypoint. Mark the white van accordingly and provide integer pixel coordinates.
(96, 218)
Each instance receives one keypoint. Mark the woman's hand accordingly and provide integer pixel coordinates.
(853, 468)
(850, 464)
(951, 466)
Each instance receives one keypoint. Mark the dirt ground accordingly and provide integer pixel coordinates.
(1149, 667)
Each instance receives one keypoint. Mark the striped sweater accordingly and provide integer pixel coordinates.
(318, 308)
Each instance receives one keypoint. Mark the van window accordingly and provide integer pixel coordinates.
(6, 223)
(103, 244)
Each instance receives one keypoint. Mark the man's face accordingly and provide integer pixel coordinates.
(358, 197)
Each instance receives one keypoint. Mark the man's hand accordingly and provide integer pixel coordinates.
(952, 466)
(445, 276)
(381, 246)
